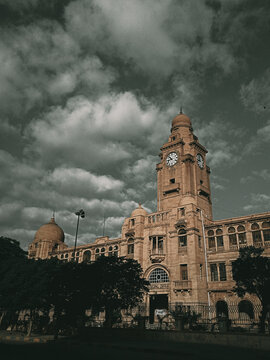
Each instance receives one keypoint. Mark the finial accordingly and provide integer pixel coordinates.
(181, 110)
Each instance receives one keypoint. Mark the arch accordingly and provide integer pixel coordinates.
(130, 246)
(222, 309)
(255, 226)
(87, 256)
(219, 232)
(97, 251)
(110, 252)
(158, 275)
(231, 229)
(182, 237)
(210, 233)
(246, 307)
(241, 228)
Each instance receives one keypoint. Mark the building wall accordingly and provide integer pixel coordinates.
(184, 209)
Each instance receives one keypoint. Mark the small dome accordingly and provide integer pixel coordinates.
(139, 211)
(181, 120)
(50, 232)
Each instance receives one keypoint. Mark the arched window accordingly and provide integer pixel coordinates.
(130, 246)
(87, 256)
(266, 232)
(115, 250)
(211, 239)
(110, 253)
(241, 228)
(242, 240)
(97, 254)
(102, 251)
(255, 226)
(245, 308)
(219, 234)
(232, 238)
(256, 235)
(158, 275)
(221, 308)
(182, 236)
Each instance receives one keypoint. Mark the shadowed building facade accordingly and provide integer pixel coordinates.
(186, 255)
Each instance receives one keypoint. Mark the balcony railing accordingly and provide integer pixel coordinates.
(183, 284)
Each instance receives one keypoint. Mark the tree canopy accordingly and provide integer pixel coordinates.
(251, 272)
(110, 284)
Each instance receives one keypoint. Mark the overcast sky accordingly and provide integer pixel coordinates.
(88, 90)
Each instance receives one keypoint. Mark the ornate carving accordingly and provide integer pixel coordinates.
(157, 258)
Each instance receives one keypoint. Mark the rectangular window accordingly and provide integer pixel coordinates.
(182, 240)
(160, 245)
(199, 241)
(130, 248)
(220, 241)
(266, 235)
(214, 272)
(257, 239)
(201, 267)
(211, 242)
(132, 222)
(184, 272)
(222, 272)
(232, 239)
(172, 181)
(232, 262)
(242, 238)
(154, 243)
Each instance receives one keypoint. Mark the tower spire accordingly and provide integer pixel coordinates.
(181, 110)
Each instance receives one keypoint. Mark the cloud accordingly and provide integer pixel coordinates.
(79, 182)
(255, 95)
(102, 133)
(255, 175)
(155, 36)
(257, 202)
(222, 151)
(42, 63)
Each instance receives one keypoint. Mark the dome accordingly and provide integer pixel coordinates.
(139, 211)
(50, 232)
(181, 120)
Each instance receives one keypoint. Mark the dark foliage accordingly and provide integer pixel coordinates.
(251, 272)
(69, 289)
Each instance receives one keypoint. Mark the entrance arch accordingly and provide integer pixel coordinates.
(222, 309)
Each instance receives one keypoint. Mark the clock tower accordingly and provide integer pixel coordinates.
(182, 174)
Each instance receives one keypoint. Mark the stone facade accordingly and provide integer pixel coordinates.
(185, 254)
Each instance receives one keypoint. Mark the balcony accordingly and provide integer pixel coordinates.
(183, 285)
(157, 256)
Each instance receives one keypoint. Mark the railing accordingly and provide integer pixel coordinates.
(183, 284)
(156, 218)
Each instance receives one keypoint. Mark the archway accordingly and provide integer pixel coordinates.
(222, 309)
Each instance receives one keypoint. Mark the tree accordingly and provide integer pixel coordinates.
(119, 285)
(251, 272)
(13, 260)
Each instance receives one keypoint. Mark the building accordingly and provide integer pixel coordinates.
(185, 254)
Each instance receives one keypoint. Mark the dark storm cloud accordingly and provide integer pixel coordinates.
(88, 89)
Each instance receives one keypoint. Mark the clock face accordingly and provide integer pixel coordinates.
(172, 159)
(200, 161)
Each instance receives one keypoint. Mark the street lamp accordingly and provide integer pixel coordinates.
(80, 214)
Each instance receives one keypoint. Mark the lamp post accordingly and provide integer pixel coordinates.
(80, 214)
